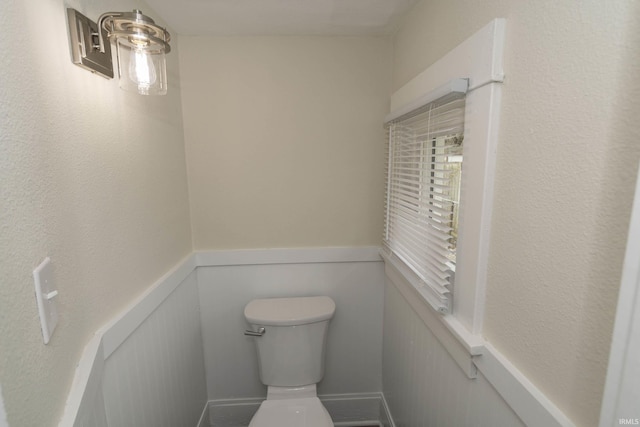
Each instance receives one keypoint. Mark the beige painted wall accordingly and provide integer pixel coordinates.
(284, 139)
(91, 176)
(567, 158)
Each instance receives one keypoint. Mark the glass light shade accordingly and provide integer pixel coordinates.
(141, 67)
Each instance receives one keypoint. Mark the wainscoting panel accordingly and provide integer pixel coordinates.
(422, 383)
(156, 377)
(181, 345)
(354, 347)
(95, 416)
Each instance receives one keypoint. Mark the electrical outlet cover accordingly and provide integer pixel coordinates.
(45, 296)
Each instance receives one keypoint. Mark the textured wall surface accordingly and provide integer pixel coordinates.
(284, 139)
(423, 385)
(567, 159)
(156, 377)
(354, 344)
(90, 176)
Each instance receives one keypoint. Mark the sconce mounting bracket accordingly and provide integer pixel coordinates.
(85, 45)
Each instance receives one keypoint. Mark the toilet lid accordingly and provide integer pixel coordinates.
(304, 412)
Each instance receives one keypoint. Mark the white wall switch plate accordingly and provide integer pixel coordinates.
(45, 296)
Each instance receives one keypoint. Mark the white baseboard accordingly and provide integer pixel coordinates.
(233, 412)
(354, 409)
(346, 410)
(204, 417)
(387, 418)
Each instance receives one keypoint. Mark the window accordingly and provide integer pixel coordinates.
(423, 192)
(479, 60)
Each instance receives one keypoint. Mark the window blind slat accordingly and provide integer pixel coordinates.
(435, 200)
(427, 275)
(422, 190)
(422, 217)
(442, 208)
(435, 270)
(403, 185)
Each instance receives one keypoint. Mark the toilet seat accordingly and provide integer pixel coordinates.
(301, 412)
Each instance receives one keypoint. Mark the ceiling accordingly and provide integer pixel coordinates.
(281, 17)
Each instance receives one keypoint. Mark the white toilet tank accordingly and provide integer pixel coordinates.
(291, 349)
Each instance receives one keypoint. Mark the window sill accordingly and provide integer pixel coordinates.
(461, 344)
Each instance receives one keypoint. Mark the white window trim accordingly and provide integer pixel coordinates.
(622, 389)
(479, 59)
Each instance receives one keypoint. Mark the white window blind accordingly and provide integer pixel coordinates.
(424, 170)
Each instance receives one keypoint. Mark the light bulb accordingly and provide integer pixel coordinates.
(141, 67)
(142, 70)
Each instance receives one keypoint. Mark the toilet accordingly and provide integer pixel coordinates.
(290, 336)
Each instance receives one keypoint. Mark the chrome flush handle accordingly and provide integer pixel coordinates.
(260, 332)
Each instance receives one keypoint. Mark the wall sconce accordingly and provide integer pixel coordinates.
(141, 46)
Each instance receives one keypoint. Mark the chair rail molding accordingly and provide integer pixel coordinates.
(87, 380)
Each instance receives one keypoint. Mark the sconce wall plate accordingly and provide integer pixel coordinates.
(85, 46)
(141, 46)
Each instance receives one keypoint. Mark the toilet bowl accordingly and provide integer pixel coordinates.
(299, 407)
(290, 336)
(305, 412)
